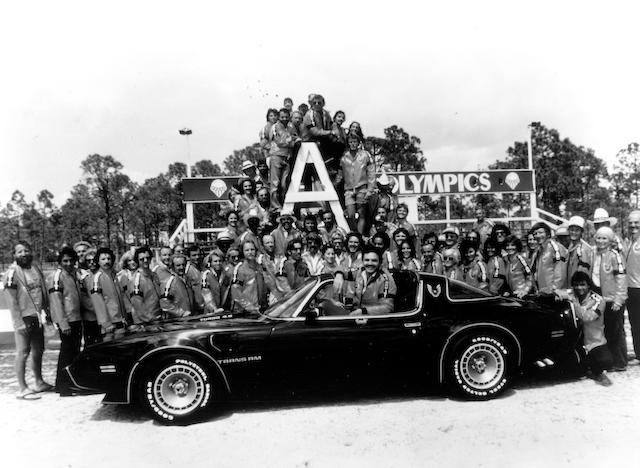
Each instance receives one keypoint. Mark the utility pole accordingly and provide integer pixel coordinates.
(534, 195)
(186, 132)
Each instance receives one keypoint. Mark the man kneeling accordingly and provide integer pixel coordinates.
(589, 307)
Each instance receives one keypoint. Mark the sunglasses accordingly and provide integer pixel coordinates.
(450, 258)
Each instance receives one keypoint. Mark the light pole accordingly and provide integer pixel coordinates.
(534, 195)
(186, 132)
(107, 201)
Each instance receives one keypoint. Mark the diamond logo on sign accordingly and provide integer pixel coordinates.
(512, 180)
(218, 187)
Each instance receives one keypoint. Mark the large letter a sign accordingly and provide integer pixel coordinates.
(309, 153)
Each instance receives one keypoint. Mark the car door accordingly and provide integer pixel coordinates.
(337, 345)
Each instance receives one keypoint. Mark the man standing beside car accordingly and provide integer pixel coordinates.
(632, 255)
(145, 289)
(177, 296)
(107, 295)
(549, 263)
(87, 266)
(248, 288)
(27, 298)
(194, 277)
(163, 267)
(64, 297)
(580, 252)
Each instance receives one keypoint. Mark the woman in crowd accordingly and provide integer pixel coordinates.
(247, 200)
(352, 263)
(232, 228)
(496, 267)
(338, 131)
(266, 134)
(532, 246)
(610, 281)
(408, 260)
(356, 129)
(399, 236)
(450, 264)
(309, 226)
(474, 270)
(329, 264)
(401, 213)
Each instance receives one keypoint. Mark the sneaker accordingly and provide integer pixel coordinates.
(618, 368)
(603, 379)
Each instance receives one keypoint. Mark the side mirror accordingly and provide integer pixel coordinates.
(311, 315)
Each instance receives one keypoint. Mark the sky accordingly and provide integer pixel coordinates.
(121, 78)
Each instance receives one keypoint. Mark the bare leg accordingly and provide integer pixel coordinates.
(23, 348)
(37, 345)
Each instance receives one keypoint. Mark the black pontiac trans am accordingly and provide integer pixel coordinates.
(454, 334)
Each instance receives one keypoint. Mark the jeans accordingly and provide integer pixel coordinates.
(633, 309)
(279, 173)
(69, 349)
(614, 333)
(599, 359)
(91, 332)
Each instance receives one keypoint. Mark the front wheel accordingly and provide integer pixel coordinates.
(480, 367)
(177, 389)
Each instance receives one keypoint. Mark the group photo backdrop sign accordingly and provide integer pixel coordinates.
(452, 183)
(208, 189)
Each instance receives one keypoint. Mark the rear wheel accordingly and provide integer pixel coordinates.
(177, 389)
(480, 366)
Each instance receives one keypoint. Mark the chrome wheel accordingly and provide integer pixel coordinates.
(482, 366)
(177, 389)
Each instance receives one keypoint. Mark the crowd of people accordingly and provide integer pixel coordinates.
(265, 252)
(350, 167)
(90, 299)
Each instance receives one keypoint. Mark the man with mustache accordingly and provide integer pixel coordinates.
(107, 295)
(64, 296)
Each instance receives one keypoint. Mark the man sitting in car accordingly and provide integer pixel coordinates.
(375, 290)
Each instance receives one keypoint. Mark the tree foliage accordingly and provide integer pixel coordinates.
(626, 174)
(107, 207)
(397, 151)
(566, 174)
(233, 162)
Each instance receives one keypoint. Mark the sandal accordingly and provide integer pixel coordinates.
(27, 394)
(45, 387)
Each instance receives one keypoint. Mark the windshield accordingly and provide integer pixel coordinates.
(460, 291)
(286, 306)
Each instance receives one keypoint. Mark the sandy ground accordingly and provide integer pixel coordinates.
(539, 423)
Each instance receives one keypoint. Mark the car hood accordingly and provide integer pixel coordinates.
(203, 322)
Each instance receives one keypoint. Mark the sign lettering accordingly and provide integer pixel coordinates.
(448, 183)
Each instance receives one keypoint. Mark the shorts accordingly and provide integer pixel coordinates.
(30, 337)
(356, 196)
